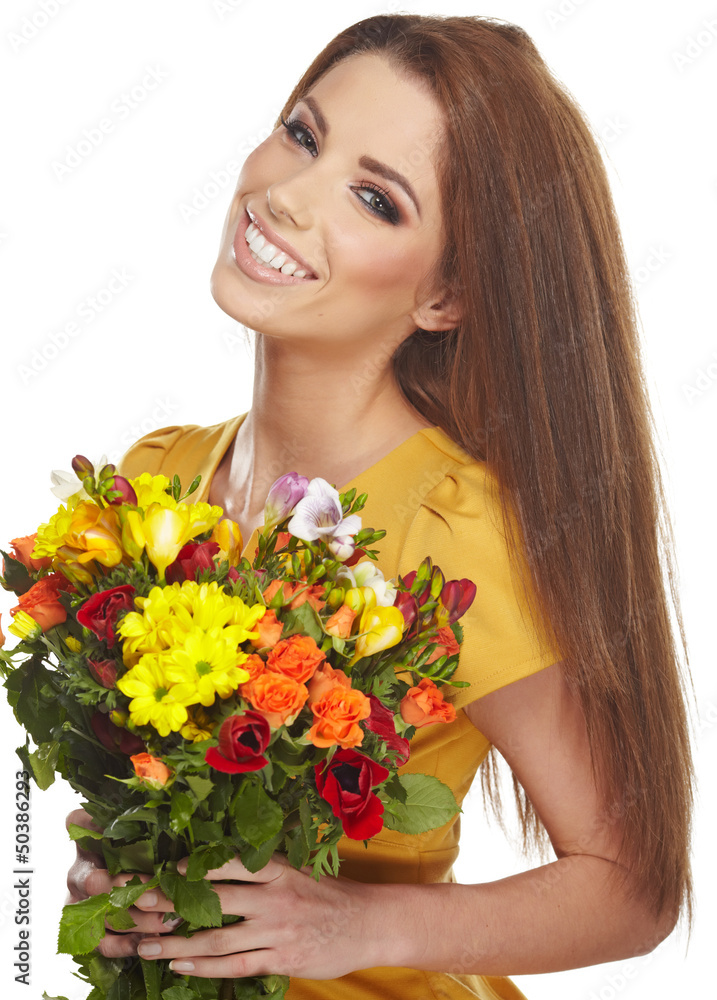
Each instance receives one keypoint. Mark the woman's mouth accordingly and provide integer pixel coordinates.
(262, 260)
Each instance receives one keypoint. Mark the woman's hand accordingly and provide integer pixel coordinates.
(88, 877)
(292, 926)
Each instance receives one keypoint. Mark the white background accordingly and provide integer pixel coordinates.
(161, 352)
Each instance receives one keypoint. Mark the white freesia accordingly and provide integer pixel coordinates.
(66, 485)
(319, 514)
(367, 574)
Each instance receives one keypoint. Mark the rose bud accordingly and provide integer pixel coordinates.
(456, 597)
(99, 613)
(242, 742)
(123, 489)
(103, 671)
(381, 722)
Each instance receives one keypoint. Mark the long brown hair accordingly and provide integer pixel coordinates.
(542, 380)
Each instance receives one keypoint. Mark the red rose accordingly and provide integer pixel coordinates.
(114, 738)
(242, 742)
(103, 671)
(345, 783)
(99, 613)
(380, 721)
(193, 558)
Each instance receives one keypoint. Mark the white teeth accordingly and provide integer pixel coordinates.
(266, 253)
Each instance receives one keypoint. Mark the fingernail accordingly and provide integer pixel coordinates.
(148, 899)
(149, 949)
(181, 966)
(170, 925)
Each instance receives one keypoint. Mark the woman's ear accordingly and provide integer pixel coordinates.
(442, 313)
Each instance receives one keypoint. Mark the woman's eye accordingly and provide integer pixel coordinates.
(378, 202)
(298, 132)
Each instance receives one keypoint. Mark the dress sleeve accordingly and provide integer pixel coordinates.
(149, 453)
(459, 524)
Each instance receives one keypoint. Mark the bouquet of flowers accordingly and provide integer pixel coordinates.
(207, 705)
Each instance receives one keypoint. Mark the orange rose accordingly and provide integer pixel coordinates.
(150, 769)
(41, 601)
(338, 714)
(22, 551)
(269, 629)
(296, 657)
(424, 705)
(254, 666)
(447, 644)
(340, 622)
(325, 678)
(278, 698)
(314, 594)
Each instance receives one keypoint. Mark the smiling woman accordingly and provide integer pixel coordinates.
(426, 246)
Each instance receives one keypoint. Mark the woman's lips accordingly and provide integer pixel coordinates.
(251, 267)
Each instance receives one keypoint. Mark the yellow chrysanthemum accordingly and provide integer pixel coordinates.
(198, 726)
(156, 701)
(52, 535)
(209, 662)
(209, 606)
(155, 628)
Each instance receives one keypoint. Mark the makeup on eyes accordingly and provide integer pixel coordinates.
(365, 162)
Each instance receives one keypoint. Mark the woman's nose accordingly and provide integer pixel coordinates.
(289, 198)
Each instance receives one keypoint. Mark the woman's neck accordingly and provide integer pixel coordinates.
(314, 414)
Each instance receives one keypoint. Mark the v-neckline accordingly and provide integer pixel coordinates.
(233, 427)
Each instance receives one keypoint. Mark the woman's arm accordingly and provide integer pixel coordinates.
(570, 913)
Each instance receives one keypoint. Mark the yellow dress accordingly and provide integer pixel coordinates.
(433, 499)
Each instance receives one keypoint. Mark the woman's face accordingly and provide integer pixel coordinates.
(336, 188)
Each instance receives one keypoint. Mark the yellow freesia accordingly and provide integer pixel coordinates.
(379, 629)
(227, 535)
(150, 489)
(164, 530)
(155, 700)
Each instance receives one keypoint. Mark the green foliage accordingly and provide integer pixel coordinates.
(428, 804)
(258, 818)
(196, 902)
(82, 925)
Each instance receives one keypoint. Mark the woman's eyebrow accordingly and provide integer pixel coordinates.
(367, 162)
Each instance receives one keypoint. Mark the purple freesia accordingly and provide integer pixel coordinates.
(283, 497)
(319, 515)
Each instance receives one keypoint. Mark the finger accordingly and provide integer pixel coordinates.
(119, 945)
(147, 923)
(237, 966)
(154, 899)
(80, 817)
(234, 869)
(222, 942)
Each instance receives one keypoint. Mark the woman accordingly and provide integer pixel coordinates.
(427, 247)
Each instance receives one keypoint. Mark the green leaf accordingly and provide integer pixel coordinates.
(82, 925)
(178, 993)
(127, 895)
(297, 851)
(78, 832)
(152, 978)
(32, 697)
(103, 971)
(43, 763)
(201, 787)
(196, 902)
(275, 986)
(16, 576)
(120, 920)
(205, 858)
(46, 996)
(256, 858)
(304, 620)
(120, 990)
(429, 804)
(258, 818)
(134, 857)
(181, 812)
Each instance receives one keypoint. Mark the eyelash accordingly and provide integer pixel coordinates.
(391, 215)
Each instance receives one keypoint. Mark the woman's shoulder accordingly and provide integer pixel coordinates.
(458, 521)
(185, 450)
